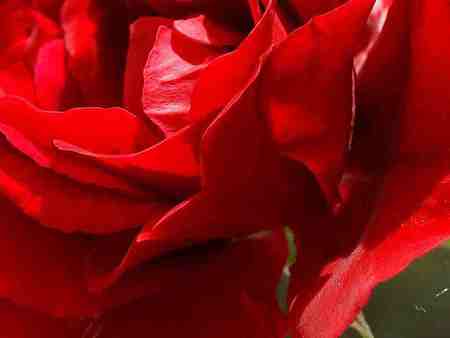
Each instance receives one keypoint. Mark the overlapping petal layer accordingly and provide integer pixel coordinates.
(397, 223)
(236, 125)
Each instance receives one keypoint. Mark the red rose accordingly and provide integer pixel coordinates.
(114, 224)
(165, 217)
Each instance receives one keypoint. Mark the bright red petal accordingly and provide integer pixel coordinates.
(235, 69)
(170, 75)
(22, 125)
(171, 166)
(208, 31)
(51, 77)
(16, 79)
(142, 38)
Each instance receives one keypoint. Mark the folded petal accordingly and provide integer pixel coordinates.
(387, 61)
(306, 9)
(51, 77)
(21, 124)
(63, 204)
(246, 188)
(210, 32)
(233, 70)
(170, 75)
(237, 11)
(308, 91)
(142, 37)
(49, 197)
(171, 166)
(398, 226)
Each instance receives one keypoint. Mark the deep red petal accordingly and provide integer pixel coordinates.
(308, 91)
(306, 9)
(50, 7)
(202, 305)
(20, 322)
(22, 125)
(41, 268)
(96, 36)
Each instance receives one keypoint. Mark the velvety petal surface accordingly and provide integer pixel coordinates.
(170, 75)
(142, 37)
(233, 70)
(208, 302)
(306, 9)
(19, 322)
(171, 166)
(20, 121)
(96, 37)
(51, 77)
(308, 91)
(398, 226)
(208, 31)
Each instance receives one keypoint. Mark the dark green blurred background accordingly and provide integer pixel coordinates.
(415, 304)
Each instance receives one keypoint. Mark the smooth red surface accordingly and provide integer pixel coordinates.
(165, 218)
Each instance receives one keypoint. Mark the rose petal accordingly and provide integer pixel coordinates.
(306, 9)
(51, 77)
(142, 37)
(43, 30)
(16, 79)
(398, 227)
(170, 75)
(378, 104)
(50, 199)
(20, 123)
(15, 26)
(237, 10)
(50, 7)
(401, 230)
(207, 31)
(171, 166)
(96, 38)
(243, 191)
(18, 322)
(308, 91)
(41, 268)
(233, 70)
(204, 308)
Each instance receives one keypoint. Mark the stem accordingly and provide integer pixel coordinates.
(362, 327)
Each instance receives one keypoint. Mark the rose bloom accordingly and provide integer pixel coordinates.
(152, 152)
